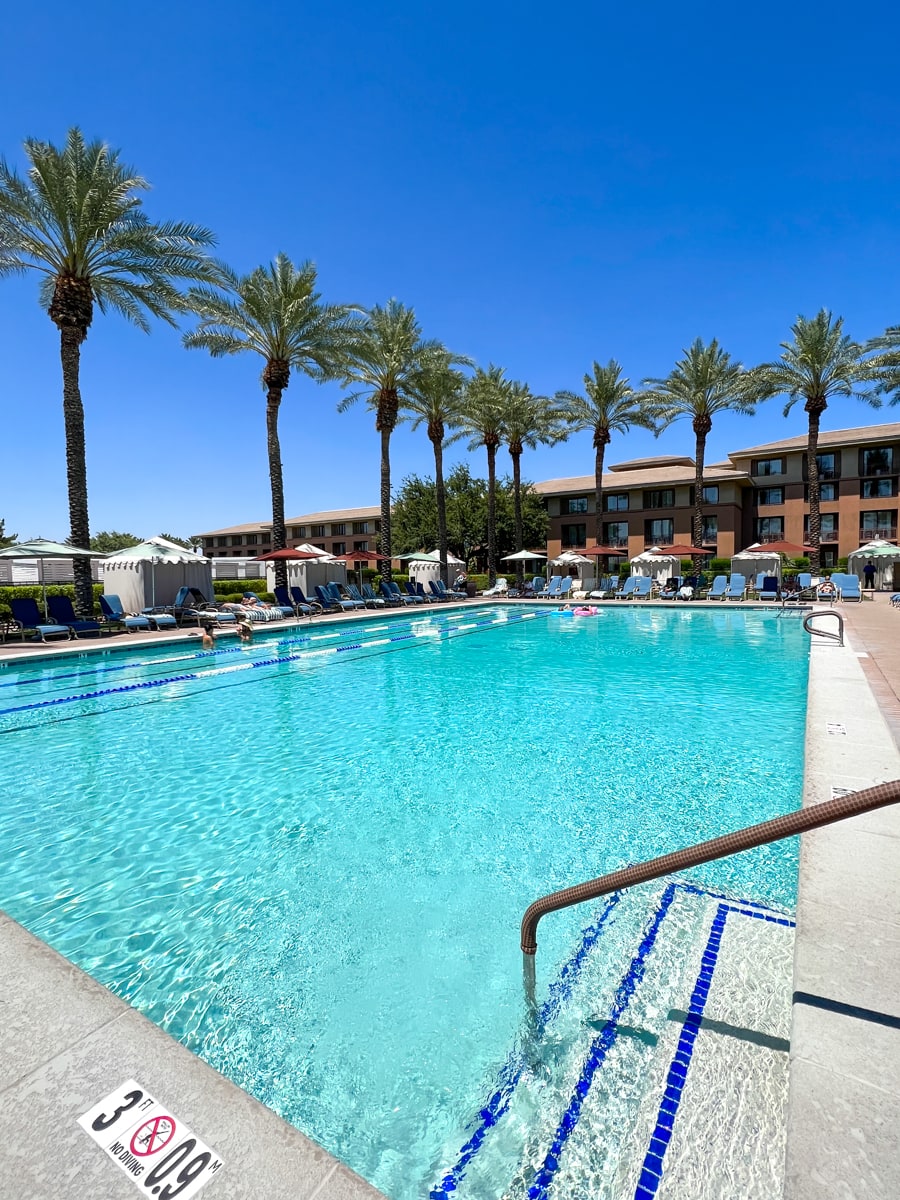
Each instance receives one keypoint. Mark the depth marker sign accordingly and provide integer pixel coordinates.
(156, 1150)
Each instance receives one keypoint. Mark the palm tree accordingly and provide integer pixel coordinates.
(704, 382)
(77, 220)
(528, 421)
(482, 416)
(610, 405)
(820, 362)
(274, 312)
(435, 402)
(388, 357)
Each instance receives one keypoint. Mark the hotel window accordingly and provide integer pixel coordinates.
(768, 466)
(710, 531)
(222, 541)
(829, 466)
(615, 533)
(662, 498)
(339, 530)
(881, 524)
(252, 539)
(338, 547)
(660, 532)
(360, 545)
(318, 530)
(615, 502)
(297, 533)
(769, 529)
(361, 527)
(828, 527)
(876, 489)
(573, 535)
(575, 504)
(877, 461)
(770, 496)
(711, 494)
(827, 491)
(237, 540)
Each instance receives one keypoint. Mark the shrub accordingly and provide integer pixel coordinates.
(720, 566)
(32, 591)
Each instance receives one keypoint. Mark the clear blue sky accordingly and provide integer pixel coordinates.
(545, 184)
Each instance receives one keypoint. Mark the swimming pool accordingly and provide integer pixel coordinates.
(308, 859)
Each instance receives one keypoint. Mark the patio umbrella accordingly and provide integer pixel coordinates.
(789, 548)
(523, 556)
(287, 553)
(684, 551)
(569, 558)
(40, 550)
(360, 556)
(416, 556)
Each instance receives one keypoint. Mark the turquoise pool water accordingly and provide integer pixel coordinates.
(308, 859)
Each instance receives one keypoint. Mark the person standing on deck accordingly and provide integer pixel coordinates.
(869, 572)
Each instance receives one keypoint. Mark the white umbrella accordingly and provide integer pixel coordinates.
(569, 558)
(40, 550)
(529, 556)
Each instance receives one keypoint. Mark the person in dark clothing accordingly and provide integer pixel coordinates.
(869, 573)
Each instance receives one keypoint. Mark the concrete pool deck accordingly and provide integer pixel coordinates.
(67, 1042)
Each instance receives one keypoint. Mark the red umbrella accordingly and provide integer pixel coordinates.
(287, 553)
(361, 556)
(788, 548)
(602, 551)
(681, 551)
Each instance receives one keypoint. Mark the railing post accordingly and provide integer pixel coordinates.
(825, 633)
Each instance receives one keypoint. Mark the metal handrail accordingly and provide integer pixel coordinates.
(826, 633)
(774, 830)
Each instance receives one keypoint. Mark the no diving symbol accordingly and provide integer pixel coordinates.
(153, 1135)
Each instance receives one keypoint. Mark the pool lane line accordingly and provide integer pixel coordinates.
(599, 1049)
(446, 634)
(346, 631)
(510, 1073)
(652, 1167)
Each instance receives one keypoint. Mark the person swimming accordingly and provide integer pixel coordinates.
(207, 640)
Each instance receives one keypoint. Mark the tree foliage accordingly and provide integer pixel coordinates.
(189, 543)
(108, 541)
(6, 539)
(415, 515)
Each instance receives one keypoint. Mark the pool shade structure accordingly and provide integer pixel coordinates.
(288, 554)
(683, 550)
(791, 549)
(152, 572)
(41, 549)
(883, 554)
(355, 557)
(656, 563)
(523, 556)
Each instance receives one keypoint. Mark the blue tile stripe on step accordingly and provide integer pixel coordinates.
(511, 1072)
(652, 1168)
(600, 1046)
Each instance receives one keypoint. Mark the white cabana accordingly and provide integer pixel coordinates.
(756, 560)
(883, 554)
(307, 572)
(656, 564)
(152, 573)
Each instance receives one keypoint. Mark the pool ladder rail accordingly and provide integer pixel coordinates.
(774, 830)
(825, 633)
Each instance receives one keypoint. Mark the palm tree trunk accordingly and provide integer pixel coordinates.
(599, 453)
(441, 497)
(385, 541)
(814, 407)
(492, 515)
(276, 478)
(517, 510)
(71, 338)
(702, 426)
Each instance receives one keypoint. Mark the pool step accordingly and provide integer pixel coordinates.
(670, 1084)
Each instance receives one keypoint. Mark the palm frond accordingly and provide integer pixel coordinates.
(705, 381)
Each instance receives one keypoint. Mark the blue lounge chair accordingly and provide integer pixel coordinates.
(63, 613)
(411, 591)
(669, 589)
(718, 589)
(644, 588)
(564, 588)
(420, 591)
(298, 608)
(848, 588)
(302, 602)
(365, 601)
(114, 614)
(769, 589)
(436, 591)
(538, 586)
(552, 588)
(737, 588)
(391, 596)
(626, 591)
(368, 594)
(331, 603)
(339, 591)
(191, 605)
(449, 593)
(284, 610)
(26, 615)
(895, 600)
(399, 597)
(805, 583)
